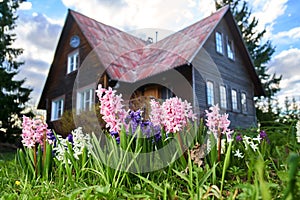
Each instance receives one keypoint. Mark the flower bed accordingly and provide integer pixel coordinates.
(172, 155)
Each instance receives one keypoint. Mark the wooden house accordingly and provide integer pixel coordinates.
(206, 63)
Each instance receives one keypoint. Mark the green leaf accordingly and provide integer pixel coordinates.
(151, 183)
(226, 164)
(123, 138)
(48, 161)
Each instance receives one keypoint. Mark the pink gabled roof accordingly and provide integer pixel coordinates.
(129, 59)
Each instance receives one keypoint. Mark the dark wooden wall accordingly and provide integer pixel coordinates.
(59, 83)
(233, 74)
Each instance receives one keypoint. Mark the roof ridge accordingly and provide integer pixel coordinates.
(85, 16)
(223, 9)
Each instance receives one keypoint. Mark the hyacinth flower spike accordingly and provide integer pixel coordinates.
(35, 132)
(218, 124)
(173, 115)
(111, 109)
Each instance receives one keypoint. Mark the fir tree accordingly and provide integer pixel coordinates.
(260, 52)
(13, 95)
(295, 109)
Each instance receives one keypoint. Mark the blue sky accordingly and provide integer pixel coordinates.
(40, 24)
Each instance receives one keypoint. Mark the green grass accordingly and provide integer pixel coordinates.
(271, 172)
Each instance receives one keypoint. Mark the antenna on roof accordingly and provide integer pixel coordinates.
(156, 33)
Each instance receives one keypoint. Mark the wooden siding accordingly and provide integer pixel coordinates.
(58, 81)
(233, 74)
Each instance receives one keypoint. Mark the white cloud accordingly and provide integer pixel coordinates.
(132, 14)
(267, 11)
(287, 63)
(206, 7)
(26, 5)
(291, 34)
(38, 37)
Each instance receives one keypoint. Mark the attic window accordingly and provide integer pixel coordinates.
(219, 42)
(73, 61)
(230, 50)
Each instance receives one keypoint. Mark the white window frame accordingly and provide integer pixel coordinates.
(210, 92)
(223, 97)
(57, 108)
(82, 100)
(219, 42)
(73, 61)
(234, 100)
(244, 102)
(230, 49)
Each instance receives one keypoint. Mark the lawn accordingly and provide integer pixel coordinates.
(270, 172)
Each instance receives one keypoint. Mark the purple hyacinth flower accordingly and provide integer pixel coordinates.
(70, 138)
(157, 133)
(116, 136)
(118, 140)
(239, 138)
(146, 128)
(264, 136)
(51, 137)
(134, 119)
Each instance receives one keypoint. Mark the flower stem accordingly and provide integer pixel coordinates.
(219, 144)
(44, 152)
(34, 159)
(181, 145)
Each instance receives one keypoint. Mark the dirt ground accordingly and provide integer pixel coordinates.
(6, 147)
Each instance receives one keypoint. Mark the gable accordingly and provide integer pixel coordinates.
(58, 80)
(243, 52)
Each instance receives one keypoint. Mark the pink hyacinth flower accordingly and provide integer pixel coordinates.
(111, 108)
(217, 122)
(33, 131)
(173, 114)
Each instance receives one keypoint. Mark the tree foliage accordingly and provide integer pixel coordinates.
(13, 95)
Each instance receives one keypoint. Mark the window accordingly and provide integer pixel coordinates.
(210, 92)
(234, 99)
(73, 61)
(230, 50)
(244, 102)
(166, 93)
(223, 97)
(219, 43)
(57, 109)
(85, 100)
